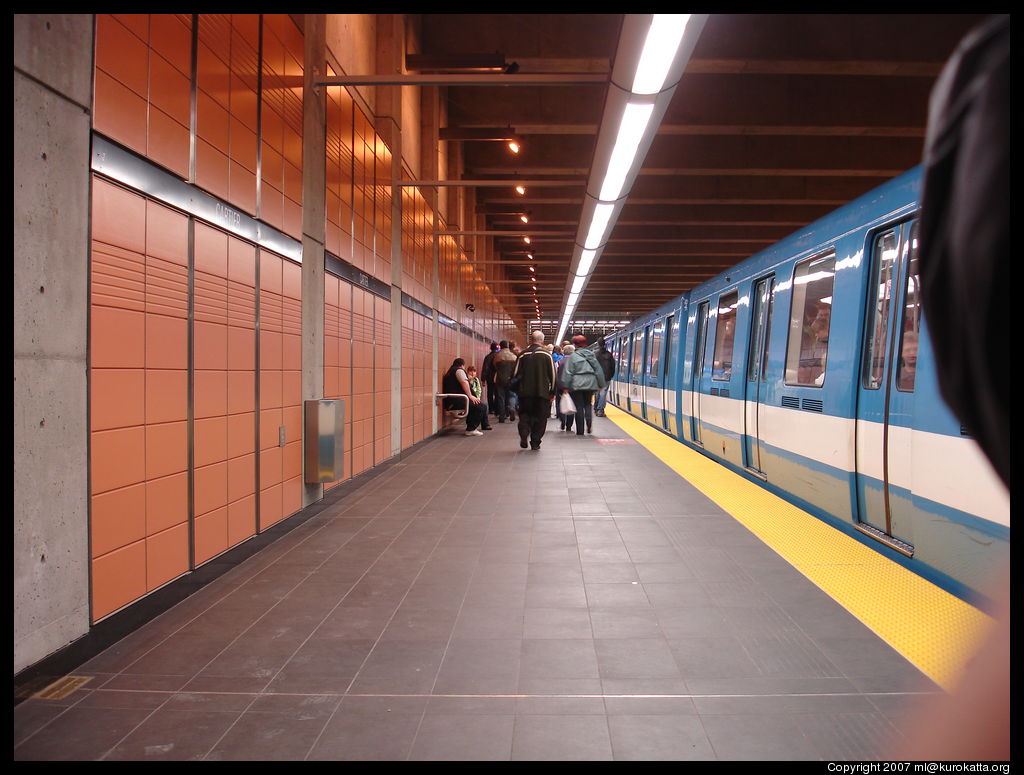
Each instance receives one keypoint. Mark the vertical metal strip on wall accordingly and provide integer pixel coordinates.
(259, 121)
(256, 386)
(190, 415)
(193, 101)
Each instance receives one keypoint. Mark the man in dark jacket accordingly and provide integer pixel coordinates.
(504, 365)
(487, 374)
(607, 361)
(536, 374)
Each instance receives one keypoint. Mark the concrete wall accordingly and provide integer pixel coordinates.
(52, 97)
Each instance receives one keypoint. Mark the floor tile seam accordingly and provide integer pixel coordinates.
(380, 636)
(221, 598)
(530, 696)
(262, 616)
(299, 647)
(68, 708)
(444, 655)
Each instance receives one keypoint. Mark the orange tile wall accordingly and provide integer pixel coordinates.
(245, 386)
(280, 388)
(143, 85)
(227, 107)
(281, 130)
(139, 396)
(224, 392)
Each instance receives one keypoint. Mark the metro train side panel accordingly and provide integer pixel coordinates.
(807, 368)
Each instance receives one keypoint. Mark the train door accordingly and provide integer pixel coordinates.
(668, 400)
(699, 346)
(885, 401)
(757, 369)
(634, 399)
(654, 384)
(621, 372)
(641, 371)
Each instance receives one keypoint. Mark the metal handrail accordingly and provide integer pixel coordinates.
(457, 413)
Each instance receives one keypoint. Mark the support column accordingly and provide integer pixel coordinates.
(314, 161)
(53, 66)
(391, 59)
(430, 123)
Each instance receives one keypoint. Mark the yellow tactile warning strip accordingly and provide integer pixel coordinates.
(934, 630)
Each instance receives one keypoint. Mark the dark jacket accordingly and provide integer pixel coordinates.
(607, 361)
(504, 366)
(536, 372)
(487, 369)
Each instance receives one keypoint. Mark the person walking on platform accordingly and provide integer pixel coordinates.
(535, 372)
(607, 361)
(487, 377)
(564, 420)
(582, 376)
(504, 364)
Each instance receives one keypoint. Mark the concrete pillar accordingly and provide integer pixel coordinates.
(314, 155)
(53, 61)
(391, 59)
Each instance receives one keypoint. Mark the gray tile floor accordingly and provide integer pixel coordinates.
(477, 601)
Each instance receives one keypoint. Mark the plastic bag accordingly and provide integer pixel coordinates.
(566, 405)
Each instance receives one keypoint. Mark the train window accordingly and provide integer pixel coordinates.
(761, 324)
(638, 355)
(623, 350)
(884, 264)
(810, 316)
(700, 342)
(654, 356)
(911, 328)
(725, 336)
(668, 344)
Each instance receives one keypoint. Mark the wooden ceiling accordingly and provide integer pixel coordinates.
(778, 119)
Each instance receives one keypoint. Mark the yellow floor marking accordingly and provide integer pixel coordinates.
(936, 631)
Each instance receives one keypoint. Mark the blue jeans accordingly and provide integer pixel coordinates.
(600, 400)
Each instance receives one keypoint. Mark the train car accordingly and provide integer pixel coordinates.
(808, 369)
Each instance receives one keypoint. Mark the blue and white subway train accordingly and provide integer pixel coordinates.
(807, 368)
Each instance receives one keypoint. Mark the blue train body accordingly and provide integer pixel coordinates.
(807, 368)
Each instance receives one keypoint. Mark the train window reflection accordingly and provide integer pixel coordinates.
(654, 357)
(810, 317)
(725, 336)
(878, 311)
(910, 330)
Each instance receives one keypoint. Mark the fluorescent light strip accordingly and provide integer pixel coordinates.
(586, 261)
(577, 283)
(659, 51)
(598, 224)
(631, 131)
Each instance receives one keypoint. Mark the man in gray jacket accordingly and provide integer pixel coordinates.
(535, 373)
(582, 377)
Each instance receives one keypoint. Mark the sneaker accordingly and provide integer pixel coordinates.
(522, 443)
(474, 433)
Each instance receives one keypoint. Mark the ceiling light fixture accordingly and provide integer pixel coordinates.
(631, 131)
(663, 39)
(652, 53)
(521, 190)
